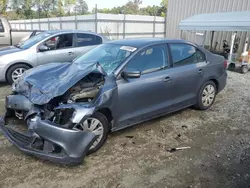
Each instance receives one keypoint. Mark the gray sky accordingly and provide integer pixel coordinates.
(115, 3)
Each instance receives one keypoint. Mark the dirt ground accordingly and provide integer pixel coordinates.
(219, 156)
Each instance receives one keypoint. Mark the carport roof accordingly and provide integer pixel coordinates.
(223, 21)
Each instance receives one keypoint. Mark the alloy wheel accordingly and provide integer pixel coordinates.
(208, 95)
(92, 125)
(17, 73)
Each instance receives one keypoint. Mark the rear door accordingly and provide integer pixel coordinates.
(187, 73)
(86, 42)
(62, 49)
(4, 35)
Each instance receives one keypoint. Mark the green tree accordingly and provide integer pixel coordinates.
(68, 5)
(81, 7)
(3, 6)
(164, 7)
(60, 10)
(27, 8)
(132, 7)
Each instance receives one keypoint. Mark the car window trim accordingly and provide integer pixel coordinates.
(196, 48)
(76, 45)
(73, 45)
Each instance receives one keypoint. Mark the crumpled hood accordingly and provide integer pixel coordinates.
(9, 50)
(45, 82)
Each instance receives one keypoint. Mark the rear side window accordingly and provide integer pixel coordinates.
(83, 39)
(184, 54)
(1, 27)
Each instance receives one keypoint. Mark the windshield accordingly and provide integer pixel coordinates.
(109, 56)
(33, 40)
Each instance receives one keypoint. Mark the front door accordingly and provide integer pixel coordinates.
(144, 97)
(61, 49)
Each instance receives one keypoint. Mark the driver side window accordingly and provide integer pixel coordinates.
(149, 60)
(60, 42)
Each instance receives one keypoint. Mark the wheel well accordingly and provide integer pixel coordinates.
(216, 83)
(107, 113)
(14, 65)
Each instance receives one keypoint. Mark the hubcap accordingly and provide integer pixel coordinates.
(92, 125)
(17, 73)
(208, 95)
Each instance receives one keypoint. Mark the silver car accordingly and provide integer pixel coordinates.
(46, 47)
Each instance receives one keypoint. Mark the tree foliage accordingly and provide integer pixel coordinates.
(133, 7)
(26, 9)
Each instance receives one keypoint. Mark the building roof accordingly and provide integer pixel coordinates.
(223, 21)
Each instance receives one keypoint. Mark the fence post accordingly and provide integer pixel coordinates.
(39, 24)
(76, 22)
(96, 19)
(165, 25)
(60, 20)
(31, 23)
(48, 24)
(154, 26)
(124, 26)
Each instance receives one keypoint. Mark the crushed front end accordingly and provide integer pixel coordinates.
(43, 137)
(51, 107)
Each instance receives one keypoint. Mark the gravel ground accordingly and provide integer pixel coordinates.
(219, 155)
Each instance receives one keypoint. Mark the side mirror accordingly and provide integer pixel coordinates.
(43, 48)
(131, 74)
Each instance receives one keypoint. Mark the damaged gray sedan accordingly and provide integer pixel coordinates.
(70, 108)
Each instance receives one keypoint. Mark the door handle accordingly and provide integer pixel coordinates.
(167, 79)
(200, 71)
(71, 53)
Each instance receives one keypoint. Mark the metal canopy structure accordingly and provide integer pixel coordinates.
(223, 21)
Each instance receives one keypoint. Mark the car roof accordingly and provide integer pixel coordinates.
(142, 42)
(52, 32)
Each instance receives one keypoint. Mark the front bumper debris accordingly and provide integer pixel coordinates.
(49, 141)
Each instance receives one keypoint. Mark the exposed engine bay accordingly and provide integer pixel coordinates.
(52, 106)
(86, 89)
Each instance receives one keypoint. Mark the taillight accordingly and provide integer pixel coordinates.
(225, 64)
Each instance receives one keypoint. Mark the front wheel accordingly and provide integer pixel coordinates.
(206, 96)
(15, 72)
(231, 66)
(97, 124)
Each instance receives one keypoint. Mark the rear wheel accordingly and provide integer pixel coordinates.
(97, 124)
(244, 69)
(206, 96)
(15, 72)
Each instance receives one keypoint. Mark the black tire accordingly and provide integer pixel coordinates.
(199, 104)
(231, 66)
(102, 118)
(12, 69)
(244, 69)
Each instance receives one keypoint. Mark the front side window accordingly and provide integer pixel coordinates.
(87, 39)
(184, 54)
(1, 27)
(60, 42)
(149, 60)
(109, 56)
